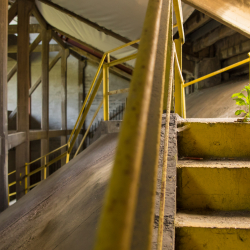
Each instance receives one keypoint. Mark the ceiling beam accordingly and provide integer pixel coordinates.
(212, 38)
(88, 22)
(195, 21)
(39, 17)
(202, 31)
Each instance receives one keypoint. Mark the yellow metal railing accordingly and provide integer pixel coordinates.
(44, 167)
(208, 76)
(10, 185)
(102, 74)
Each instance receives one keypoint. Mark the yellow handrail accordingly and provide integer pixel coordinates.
(218, 71)
(116, 224)
(47, 154)
(82, 115)
(85, 135)
(94, 80)
(12, 172)
(165, 154)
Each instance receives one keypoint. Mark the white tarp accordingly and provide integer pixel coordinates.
(124, 17)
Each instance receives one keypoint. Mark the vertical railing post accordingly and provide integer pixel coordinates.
(178, 88)
(26, 178)
(45, 168)
(183, 101)
(106, 90)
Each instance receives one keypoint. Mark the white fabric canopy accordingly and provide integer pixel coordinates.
(124, 17)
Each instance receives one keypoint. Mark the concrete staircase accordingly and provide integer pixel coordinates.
(213, 193)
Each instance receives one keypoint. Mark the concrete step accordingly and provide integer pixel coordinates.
(214, 138)
(213, 185)
(212, 230)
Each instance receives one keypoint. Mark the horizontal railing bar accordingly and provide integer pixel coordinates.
(47, 165)
(12, 183)
(12, 172)
(124, 59)
(33, 185)
(35, 171)
(56, 159)
(12, 194)
(118, 91)
(46, 155)
(123, 46)
(217, 72)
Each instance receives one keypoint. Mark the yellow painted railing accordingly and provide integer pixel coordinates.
(44, 167)
(10, 185)
(208, 76)
(102, 75)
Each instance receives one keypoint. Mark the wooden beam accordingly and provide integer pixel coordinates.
(12, 72)
(38, 135)
(32, 47)
(39, 17)
(33, 28)
(3, 106)
(82, 64)
(64, 100)
(90, 48)
(59, 40)
(46, 37)
(89, 23)
(16, 139)
(75, 43)
(34, 86)
(23, 81)
(12, 12)
(195, 21)
(52, 48)
(212, 38)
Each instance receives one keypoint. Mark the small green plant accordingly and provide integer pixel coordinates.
(241, 102)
